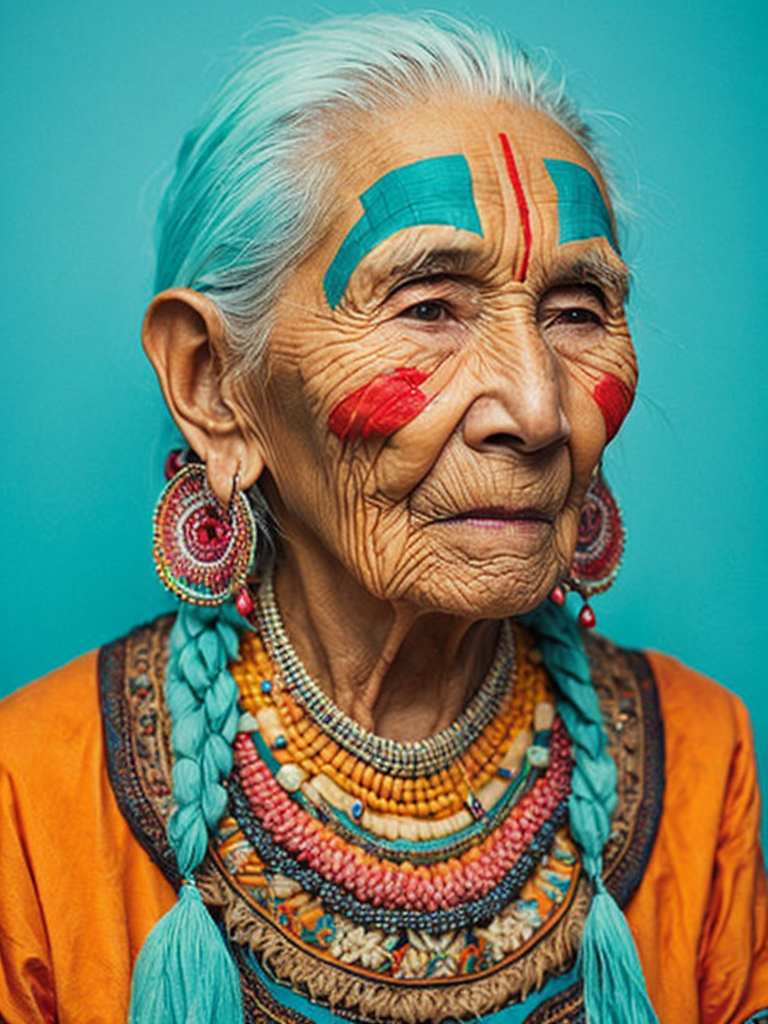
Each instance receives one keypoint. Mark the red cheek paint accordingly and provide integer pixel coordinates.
(614, 398)
(381, 406)
(522, 204)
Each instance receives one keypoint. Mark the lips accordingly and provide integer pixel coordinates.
(501, 513)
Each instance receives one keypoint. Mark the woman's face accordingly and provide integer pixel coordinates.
(449, 362)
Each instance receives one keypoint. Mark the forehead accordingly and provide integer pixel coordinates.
(486, 175)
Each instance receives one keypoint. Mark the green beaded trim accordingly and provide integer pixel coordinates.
(430, 851)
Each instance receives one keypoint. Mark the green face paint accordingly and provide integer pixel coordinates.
(581, 209)
(433, 191)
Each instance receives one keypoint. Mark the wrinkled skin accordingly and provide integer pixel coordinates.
(402, 549)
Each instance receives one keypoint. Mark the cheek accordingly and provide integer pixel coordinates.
(614, 399)
(380, 407)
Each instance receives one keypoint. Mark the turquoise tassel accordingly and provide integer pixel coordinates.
(614, 987)
(184, 973)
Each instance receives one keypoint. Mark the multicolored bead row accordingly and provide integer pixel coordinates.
(407, 955)
(418, 849)
(381, 883)
(429, 850)
(371, 913)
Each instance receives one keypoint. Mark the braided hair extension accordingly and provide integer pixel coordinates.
(614, 987)
(202, 699)
(185, 971)
(593, 795)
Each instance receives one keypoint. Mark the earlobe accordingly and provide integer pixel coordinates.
(185, 339)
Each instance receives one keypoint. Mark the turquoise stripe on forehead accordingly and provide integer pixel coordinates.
(581, 209)
(433, 191)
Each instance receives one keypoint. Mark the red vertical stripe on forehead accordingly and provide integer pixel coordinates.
(522, 204)
(615, 400)
(381, 406)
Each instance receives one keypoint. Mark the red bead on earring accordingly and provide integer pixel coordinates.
(244, 602)
(175, 461)
(557, 596)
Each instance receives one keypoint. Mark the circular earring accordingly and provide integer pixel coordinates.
(599, 548)
(202, 551)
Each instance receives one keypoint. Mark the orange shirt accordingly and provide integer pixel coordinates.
(78, 894)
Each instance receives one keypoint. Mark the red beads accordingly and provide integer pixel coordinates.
(557, 596)
(173, 463)
(587, 617)
(244, 602)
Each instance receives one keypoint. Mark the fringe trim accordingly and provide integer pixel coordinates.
(393, 1002)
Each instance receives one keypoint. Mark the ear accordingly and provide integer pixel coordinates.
(185, 339)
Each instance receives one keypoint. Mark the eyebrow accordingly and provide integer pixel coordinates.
(431, 262)
(594, 268)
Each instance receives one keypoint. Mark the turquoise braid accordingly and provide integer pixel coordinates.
(614, 988)
(593, 796)
(184, 971)
(202, 699)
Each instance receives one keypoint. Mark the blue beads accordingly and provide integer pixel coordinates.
(280, 743)
(357, 809)
(477, 809)
(266, 686)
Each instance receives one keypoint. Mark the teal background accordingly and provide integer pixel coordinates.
(94, 98)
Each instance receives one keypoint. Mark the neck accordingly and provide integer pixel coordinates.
(400, 672)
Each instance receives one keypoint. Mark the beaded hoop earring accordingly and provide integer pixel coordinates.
(599, 548)
(203, 552)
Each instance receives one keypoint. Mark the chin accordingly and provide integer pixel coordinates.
(477, 593)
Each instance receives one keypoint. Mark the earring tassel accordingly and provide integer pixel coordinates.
(184, 973)
(614, 988)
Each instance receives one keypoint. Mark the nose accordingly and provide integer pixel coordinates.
(518, 401)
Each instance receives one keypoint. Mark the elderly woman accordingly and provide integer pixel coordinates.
(388, 775)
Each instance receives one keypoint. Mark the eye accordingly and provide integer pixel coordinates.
(576, 315)
(428, 311)
(572, 311)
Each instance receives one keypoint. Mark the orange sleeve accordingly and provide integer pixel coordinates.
(26, 977)
(733, 955)
(700, 916)
(78, 894)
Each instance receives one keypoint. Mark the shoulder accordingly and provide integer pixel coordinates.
(59, 721)
(84, 751)
(688, 697)
(707, 732)
(47, 720)
(692, 708)
(697, 742)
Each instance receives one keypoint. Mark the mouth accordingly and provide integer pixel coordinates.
(501, 516)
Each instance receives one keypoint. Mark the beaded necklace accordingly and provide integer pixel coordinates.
(304, 748)
(402, 760)
(378, 838)
(379, 872)
(384, 894)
